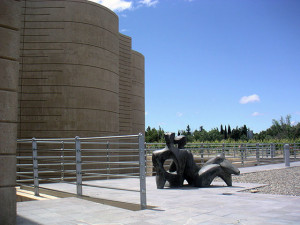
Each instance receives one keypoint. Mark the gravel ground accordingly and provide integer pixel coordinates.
(279, 181)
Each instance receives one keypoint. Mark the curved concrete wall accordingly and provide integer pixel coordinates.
(138, 92)
(125, 85)
(131, 88)
(9, 67)
(69, 70)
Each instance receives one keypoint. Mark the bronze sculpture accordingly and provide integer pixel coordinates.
(184, 167)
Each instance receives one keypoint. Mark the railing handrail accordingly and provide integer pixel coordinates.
(80, 138)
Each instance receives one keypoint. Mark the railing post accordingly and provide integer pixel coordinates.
(257, 153)
(242, 153)
(62, 163)
(234, 150)
(107, 161)
(272, 151)
(141, 141)
(35, 167)
(202, 154)
(294, 148)
(287, 154)
(223, 148)
(78, 166)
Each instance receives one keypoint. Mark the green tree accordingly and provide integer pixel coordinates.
(236, 134)
(229, 131)
(189, 135)
(188, 130)
(161, 134)
(244, 130)
(225, 133)
(221, 129)
(151, 135)
(282, 129)
(201, 135)
(214, 135)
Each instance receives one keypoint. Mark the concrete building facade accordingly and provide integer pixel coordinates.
(78, 73)
(9, 73)
(66, 71)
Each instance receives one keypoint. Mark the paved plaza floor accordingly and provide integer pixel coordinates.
(218, 204)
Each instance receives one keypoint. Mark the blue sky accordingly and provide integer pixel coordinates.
(213, 62)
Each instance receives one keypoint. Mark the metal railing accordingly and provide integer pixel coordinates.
(240, 154)
(76, 160)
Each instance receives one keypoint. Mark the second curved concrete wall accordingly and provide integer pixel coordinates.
(131, 88)
(138, 92)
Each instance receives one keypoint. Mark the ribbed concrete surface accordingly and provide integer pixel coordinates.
(9, 75)
(125, 85)
(69, 70)
(138, 92)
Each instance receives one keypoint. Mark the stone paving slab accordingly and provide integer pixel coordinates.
(216, 205)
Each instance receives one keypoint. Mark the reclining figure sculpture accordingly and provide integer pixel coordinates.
(184, 167)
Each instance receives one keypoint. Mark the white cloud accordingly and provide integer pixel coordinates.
(257, 114)
(149, 3)
(115, 5)
(146, 113)
(250, 98)
(294, 123)
(179, 114)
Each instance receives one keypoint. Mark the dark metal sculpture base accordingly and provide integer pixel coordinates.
(184, 167)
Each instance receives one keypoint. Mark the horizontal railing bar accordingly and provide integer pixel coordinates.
(65, 140)
(109, 143)
(89, 162)
(110, 175)
(109, 137)
(24, 165)
(46, 139)
(59, 179)
(123, 174)
(54, 149)
(41, 168)
(110, 150)
(58, 160)
(50, 171)
(117, 162)
(23, 180)
(105, 169)
(20, 175)
(46, 164)
(45, 157)
(109, 156)
(68, 157)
